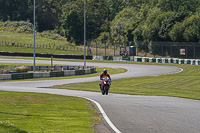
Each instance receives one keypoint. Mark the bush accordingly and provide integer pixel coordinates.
(52, 34)
(21, 69)
(17, 26)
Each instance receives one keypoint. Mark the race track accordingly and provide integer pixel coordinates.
(128, 113)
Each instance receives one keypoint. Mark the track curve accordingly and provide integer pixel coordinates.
(129, 113)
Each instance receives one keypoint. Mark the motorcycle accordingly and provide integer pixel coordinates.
(105, 85)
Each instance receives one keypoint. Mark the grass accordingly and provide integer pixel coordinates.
(184, 84)
(38, 50)
(6, 127)
(28, 39)
(34, 112)
(6, 36)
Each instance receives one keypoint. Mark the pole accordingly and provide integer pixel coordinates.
(105, 48)
(51, 63)
(114, 48)
(96, 47)
(84, 34)
(34, 38)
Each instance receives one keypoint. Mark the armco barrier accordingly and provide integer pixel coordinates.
(158, 60)
(97, 57)
(41, 75)
(188, 61)
(87, 71)
(177, 61)
(197, 62)
(56, 74)
(81, 72)
(138, 59)
(46, 55)
(107, 57)
(117, 58)
(18, 76)
(126, 58)
(181, 61)
(149, 59)
(131, 58)
(166, 60)
(171, 60)
(5, 77)
(69, 72)
(145, 59)
(193, 62)
(93, 70)
(154, 60)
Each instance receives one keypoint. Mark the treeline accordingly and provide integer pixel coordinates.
(111, 20)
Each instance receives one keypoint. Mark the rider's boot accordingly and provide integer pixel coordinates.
(100, 86)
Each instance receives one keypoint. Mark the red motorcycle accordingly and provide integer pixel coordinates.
(105, 85)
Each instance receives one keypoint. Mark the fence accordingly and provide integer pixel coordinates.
(45, 46)
(170, 49)
(59, 71)
(148, 49)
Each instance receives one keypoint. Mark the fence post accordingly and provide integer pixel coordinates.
(51, 63)
(171, 50)
(96, 48)
(105, 49)
(129, 48)
(137, 49)
(162, 50)
(114, 48)
(186, 51)
(194, 52)
(154, 52)
(145, 49)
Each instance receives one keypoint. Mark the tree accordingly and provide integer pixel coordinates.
(169, 23)
(155, 27)
(122, 23)
(188, 30)
(15, 10)
(148, 32)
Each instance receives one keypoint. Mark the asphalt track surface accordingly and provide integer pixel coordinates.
(128, 113)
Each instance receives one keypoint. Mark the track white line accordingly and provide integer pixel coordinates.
(104, 115)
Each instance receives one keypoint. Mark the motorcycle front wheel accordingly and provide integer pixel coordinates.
(103, 92)
(106, 90)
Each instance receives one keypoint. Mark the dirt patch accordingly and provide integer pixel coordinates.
(102, 128)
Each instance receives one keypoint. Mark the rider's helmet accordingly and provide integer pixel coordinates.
(105, 71)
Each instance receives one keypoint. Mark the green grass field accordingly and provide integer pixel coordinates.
(28, 39)
(45, 113)
(10, 37)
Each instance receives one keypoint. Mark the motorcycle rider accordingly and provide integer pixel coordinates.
(104, 74)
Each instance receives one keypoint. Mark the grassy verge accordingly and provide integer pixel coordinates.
(28, 39)
(184, 84)
(10, 37)
(35, 112)
(38, 50)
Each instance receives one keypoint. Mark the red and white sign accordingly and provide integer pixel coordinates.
(182, 51)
